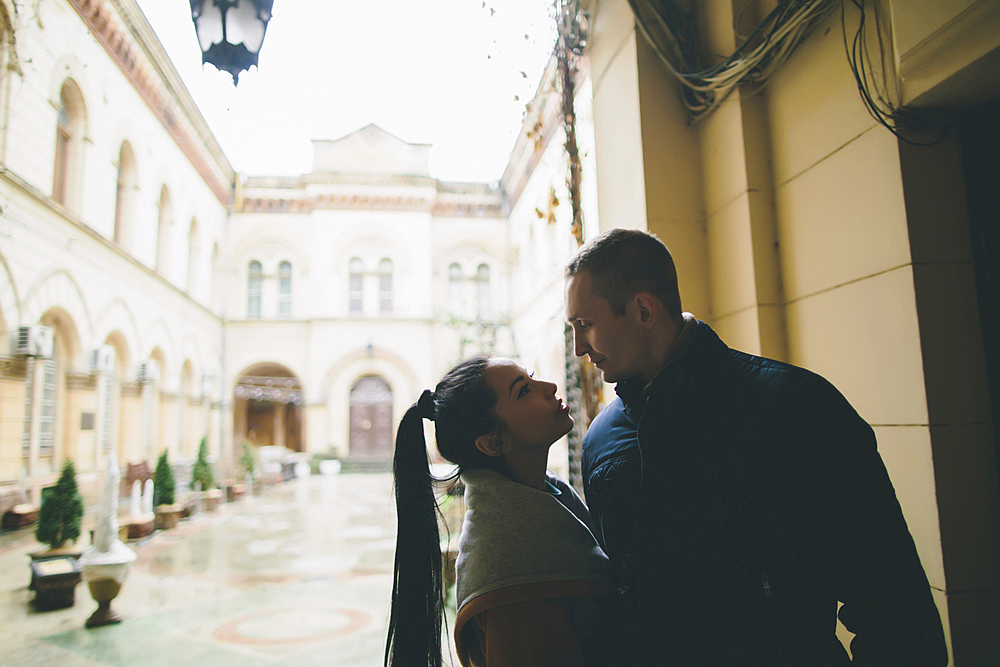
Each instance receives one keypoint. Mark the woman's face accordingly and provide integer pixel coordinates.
(531, 413)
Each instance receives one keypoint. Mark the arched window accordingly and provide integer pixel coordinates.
(385, 286)
(163, 230)
(125, 194)
(285, 289)
(194, 250)
(255, 279)
(356, 286)
(483, 292)
(70, 125)
(455, 289)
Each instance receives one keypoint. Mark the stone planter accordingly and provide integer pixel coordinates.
(213, 498)
(20, 516)
(234, 492)
(141, 526)
(167, 516)
(54, 581)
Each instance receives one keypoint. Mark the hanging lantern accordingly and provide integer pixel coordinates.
(230, 32)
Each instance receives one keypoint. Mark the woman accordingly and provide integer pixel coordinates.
(530, 573)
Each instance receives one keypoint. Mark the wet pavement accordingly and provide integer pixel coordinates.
(298, 575)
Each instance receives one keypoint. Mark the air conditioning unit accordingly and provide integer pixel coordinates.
(34, 341)
(102, 360)
(149, 371)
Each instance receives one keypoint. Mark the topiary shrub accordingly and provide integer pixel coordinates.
(246, 459)
(163, 482)
(61, 511)
(202, 471)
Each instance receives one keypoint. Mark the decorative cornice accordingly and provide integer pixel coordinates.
(77, 380)
(131, 389)
(370, 203)
(13, 368)
(155, 92)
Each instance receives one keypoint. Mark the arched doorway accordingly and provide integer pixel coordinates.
(371, 418)
(268, 408)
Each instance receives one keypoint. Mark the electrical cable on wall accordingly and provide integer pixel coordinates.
(671, 32)
(878, 103)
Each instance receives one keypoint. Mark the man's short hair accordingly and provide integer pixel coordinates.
(625, 262)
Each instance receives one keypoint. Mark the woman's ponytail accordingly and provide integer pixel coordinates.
(417, 612)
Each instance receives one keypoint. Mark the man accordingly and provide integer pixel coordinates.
(738, 498)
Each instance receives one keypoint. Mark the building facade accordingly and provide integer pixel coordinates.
(358, 285)
(114, 197)
(150, 297)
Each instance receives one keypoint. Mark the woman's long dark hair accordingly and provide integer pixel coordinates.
(462, 407)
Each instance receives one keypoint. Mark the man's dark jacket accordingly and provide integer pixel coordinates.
(739, 499)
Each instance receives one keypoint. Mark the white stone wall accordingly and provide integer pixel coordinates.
(401, 218)
(60, 264)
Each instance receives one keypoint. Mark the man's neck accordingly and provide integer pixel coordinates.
(672, 342)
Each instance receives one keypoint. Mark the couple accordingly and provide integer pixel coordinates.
(734, 502)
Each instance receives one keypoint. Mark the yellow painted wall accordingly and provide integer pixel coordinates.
(11, 427)
(805, 231)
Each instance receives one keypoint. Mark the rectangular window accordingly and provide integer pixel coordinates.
(29, 388)
(47, 421)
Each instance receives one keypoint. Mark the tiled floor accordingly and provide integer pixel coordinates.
(299, 575)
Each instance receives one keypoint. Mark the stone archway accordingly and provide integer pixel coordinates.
(268, 408)
(371, 419)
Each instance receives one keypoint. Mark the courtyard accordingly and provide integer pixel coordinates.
(299, 574)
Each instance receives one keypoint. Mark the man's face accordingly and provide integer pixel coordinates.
(613, 344)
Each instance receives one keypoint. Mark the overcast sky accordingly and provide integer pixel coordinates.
(452, 73)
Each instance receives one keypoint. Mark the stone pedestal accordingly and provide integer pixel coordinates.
(103, 591)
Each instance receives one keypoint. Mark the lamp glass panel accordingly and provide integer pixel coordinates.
(209, 26)
(244, 26)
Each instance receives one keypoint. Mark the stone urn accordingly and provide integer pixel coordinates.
(106, 563)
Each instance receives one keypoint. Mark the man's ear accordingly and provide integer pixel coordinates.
(491, 444)
(648, 309)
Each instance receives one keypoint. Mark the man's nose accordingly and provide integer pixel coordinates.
(580, 346)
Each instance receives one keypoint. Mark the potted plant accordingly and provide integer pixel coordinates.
(246, 459)
(202, 471)
(61, 512)
(164, 488)
(55, 573)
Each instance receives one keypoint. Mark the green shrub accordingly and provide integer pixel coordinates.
(163, 482)
(202, 471)
(246, 459)
(61, 511)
